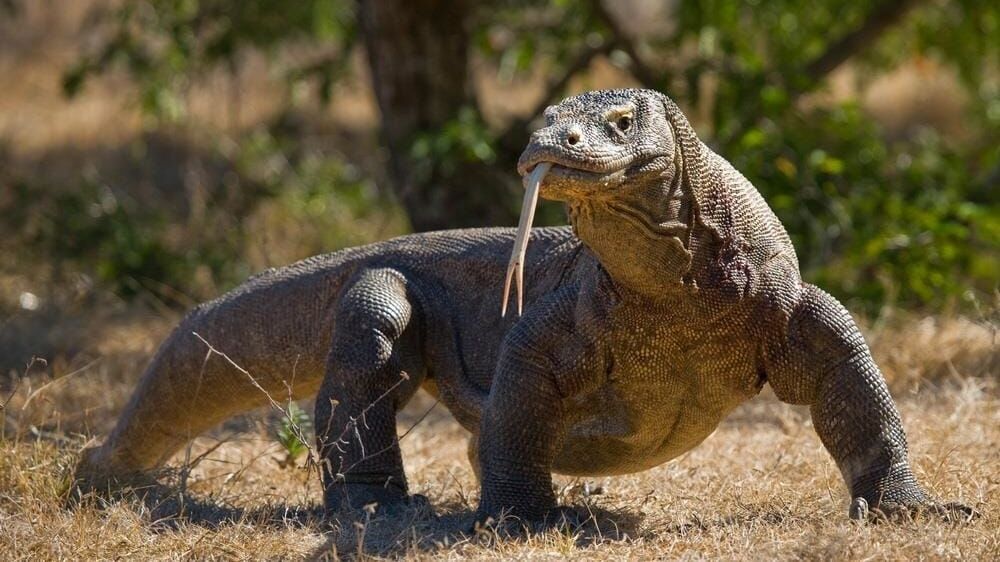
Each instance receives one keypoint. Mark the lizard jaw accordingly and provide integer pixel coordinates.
(566, 183)
(568, 172)
(594, 166)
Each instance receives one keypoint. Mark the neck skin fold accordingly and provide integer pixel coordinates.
(642, 235)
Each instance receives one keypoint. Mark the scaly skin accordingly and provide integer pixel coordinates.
(675, 297)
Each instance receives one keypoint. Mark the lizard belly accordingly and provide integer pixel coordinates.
(659, 402)
(620, 438)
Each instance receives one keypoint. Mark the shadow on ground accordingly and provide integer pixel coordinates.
(404, 530)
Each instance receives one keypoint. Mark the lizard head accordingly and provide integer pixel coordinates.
(600, 143)
(630, 168)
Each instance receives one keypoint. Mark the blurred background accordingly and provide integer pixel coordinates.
(153, 153)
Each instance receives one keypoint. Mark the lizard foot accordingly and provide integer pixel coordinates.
(895, 511)
(97, 476)
(378, 499)
(561, 518)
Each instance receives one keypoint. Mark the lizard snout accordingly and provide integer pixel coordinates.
(552, 144)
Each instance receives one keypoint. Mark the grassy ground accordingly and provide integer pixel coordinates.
(760, 487)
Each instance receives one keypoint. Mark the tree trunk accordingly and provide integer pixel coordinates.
(418, 52)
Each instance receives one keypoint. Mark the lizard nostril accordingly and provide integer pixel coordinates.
(573, 136)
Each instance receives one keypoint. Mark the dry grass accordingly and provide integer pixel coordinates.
(762, 486)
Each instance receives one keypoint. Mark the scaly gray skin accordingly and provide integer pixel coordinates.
(675, 296)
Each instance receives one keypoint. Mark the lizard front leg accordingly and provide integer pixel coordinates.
(822, 360)
(545, 359)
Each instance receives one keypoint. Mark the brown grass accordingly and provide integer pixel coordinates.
(761, 487)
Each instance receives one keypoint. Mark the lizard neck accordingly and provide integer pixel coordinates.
(642, 237)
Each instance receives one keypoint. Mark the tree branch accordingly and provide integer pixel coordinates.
(642, 72)
(880, 19)
(838, 52)
(883, 17)
(513, 136)
(580, 63)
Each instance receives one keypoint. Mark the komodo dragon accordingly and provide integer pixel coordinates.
(674, 297)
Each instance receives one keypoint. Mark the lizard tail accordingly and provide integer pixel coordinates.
(182, 393)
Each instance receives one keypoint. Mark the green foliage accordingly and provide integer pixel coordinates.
(881, 224)
(318, 201)
(164, 44)
(520, 34)
(463, 139)
(111, 237)
(876, 221)
(133, 245)
(908, 221)
(292, 429)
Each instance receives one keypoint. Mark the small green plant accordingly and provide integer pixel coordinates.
(292, 428)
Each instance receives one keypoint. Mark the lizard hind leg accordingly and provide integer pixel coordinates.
(374, 367)
(473, 452)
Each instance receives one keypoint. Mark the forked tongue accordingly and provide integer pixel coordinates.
(521, 240)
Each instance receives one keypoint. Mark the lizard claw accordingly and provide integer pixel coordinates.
(858, 510)
(890, 511)
(562, 518)
(376, 499)
(954, 512)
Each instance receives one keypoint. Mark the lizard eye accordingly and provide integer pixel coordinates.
(624, 123)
